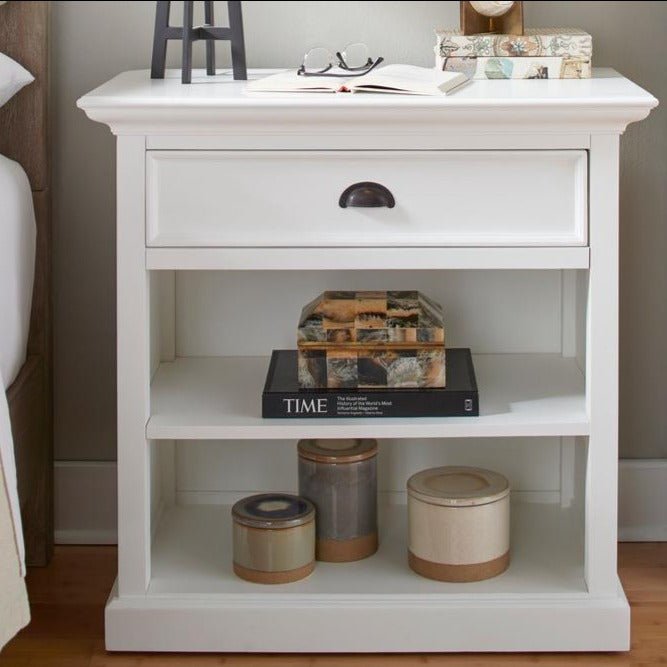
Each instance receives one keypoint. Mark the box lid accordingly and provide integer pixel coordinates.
(337, 450)
(458, 486)
(273, 511)
(371, 319)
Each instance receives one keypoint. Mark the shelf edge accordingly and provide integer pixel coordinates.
(366, 258)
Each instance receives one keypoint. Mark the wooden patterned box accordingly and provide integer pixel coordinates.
(371, 339)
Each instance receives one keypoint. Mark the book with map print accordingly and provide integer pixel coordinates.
(536, 42)
(481, 67)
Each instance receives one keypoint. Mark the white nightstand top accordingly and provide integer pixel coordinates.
(131, 103)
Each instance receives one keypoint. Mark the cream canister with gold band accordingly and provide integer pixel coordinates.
(274, 538)
(458, 523)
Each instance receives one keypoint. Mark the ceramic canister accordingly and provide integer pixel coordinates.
(458, 523)
(274, 538)
(339, 477)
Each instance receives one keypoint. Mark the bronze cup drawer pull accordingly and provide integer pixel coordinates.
(367, 195)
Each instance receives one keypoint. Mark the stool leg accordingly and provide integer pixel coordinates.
(238, 43)
(210, 43)
(186, 72)
(160, 39)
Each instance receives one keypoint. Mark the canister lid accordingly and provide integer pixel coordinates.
(273, 511)
(338, 450)
(458, 486)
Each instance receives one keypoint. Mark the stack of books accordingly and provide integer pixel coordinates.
(542, 53)
(377, 353)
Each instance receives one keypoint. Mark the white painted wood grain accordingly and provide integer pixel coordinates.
(191, 556)
(417, 139)
(133, 371)
(359, 259)
(131, 104)
(558, 579)
(219, 398)
(369, 624)
(602, 369)
(290, 198)
(229, 313)
(193, 592)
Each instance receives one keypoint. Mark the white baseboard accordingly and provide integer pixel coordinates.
(85, 502)
(642, 500)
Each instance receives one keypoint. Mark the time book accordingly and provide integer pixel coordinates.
(282, 397)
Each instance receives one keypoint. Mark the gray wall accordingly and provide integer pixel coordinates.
(93, 41)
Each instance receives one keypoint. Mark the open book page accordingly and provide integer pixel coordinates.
(290, 81)
(407, 79)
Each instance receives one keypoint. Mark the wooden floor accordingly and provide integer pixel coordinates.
(68, 601)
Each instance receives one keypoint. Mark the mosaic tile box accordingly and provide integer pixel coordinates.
(371, 339)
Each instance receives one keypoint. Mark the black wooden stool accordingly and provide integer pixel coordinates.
(189, 34)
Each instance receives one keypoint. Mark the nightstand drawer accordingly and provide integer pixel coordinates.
(415, 198)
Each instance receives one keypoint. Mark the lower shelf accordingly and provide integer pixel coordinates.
(192, 556)
(195, 603)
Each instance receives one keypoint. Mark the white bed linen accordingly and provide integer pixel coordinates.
(17, 266)
(14, 611)
(17, 270)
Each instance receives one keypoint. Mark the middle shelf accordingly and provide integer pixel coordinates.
(521, 395)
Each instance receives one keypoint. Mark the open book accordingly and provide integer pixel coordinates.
(402, 79)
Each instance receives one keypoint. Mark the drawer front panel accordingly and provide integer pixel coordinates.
(291, 198)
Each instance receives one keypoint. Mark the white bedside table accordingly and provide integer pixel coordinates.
(228, 222)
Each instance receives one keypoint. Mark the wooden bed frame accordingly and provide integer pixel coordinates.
(24, 137)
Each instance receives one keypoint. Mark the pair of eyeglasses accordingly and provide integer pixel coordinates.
(354, 60)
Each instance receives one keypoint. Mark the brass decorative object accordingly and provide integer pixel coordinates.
(495, 17)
